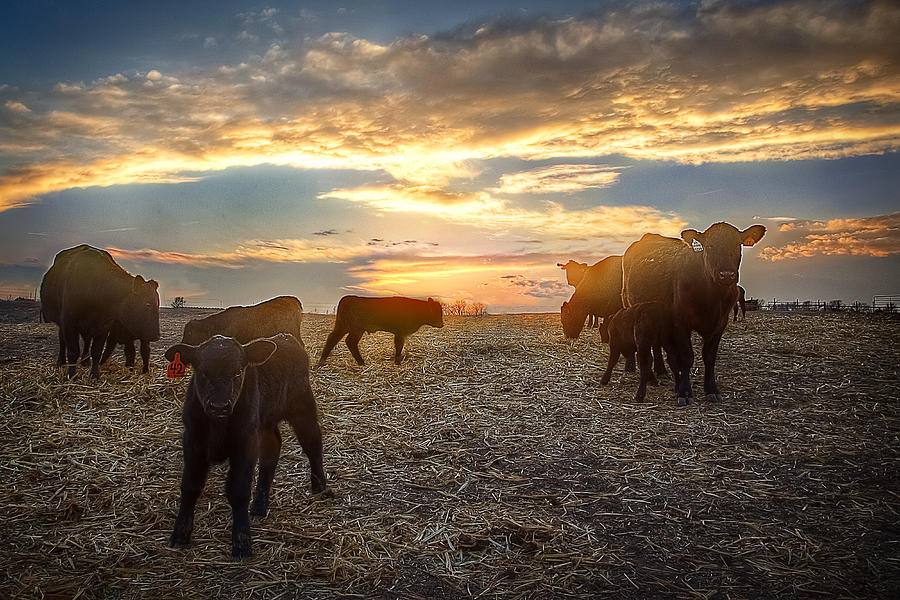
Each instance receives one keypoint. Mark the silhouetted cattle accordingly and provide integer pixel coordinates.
(236, 397)
(574, 273)
(598, 292)
(283, 314)
(741, 303)
(698, 278)
(85, 292)
(398, 315)
(639, 329)
(118, 334)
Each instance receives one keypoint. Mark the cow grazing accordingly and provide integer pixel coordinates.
(85, 292)
(697, 276)
(638, 329)
(400, 316)
(574, 273)
(283, 314)
(236, 397)
(118, 334)
(741, 303)
(598, 292)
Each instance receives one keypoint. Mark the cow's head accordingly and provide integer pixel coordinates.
(720, 248)
(140, 311)
(435, 313)
(572, 320)
(574, 271)
(220, 365)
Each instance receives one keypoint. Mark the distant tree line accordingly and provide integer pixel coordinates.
(464, 308)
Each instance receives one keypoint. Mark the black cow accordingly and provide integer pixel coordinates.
(236, 397)
(283, 314)
(598, 292)
(741, 303)
(574, 273)
(639, 329)
(85, 292)
(398, 315)
(698, 278)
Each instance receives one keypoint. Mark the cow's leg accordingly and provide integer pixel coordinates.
(61, 359)
(193, 478)
(72, 350)
(237, 489)
(352, 342)
(659, 363)
(629, 362)
(86, 350)
(710, 351)
(604, 329)
(305, 424)
(735, 313)
(333, 338)
(611, 363)
(644, 363)
(129, 353)
(685, 360)
(109, 349)
(145, 355)
(96, 351)
(269, 451)
(398, 347)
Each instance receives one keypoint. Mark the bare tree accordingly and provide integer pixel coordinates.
(178, 302)
(476, 309)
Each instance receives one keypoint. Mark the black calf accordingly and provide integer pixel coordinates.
(236, 397)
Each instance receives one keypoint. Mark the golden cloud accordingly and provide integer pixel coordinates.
(870, 236)
(485, 211)
(559, 178)
(719, 82)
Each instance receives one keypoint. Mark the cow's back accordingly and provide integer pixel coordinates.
(283, 314)
(283, 377)
(82, 279)
(648, 269)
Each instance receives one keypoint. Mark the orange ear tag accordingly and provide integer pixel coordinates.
(176, 367)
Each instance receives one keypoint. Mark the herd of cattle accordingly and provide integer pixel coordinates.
(251, 368)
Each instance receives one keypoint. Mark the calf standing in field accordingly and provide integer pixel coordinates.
(283, 314)
(118, 334)
(236, 397)
(400, 316)
(639, 329)
(697, 276)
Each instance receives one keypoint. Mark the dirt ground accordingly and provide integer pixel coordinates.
(490, 463)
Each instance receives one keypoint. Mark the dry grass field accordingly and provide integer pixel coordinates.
(490, 463)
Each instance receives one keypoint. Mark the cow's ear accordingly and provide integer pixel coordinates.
(154, 283)
(258, 351)
(752, 234)
(185, 350)
(431, 299)
(694, 238)
(561, 266)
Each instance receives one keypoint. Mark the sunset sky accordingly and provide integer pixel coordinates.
(237, 151)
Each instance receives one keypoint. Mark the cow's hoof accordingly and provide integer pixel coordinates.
(259, 510)
(179, 540)
(604, 381)
(714, 397)
(684, 400)
(323, 492)
(240, 546)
